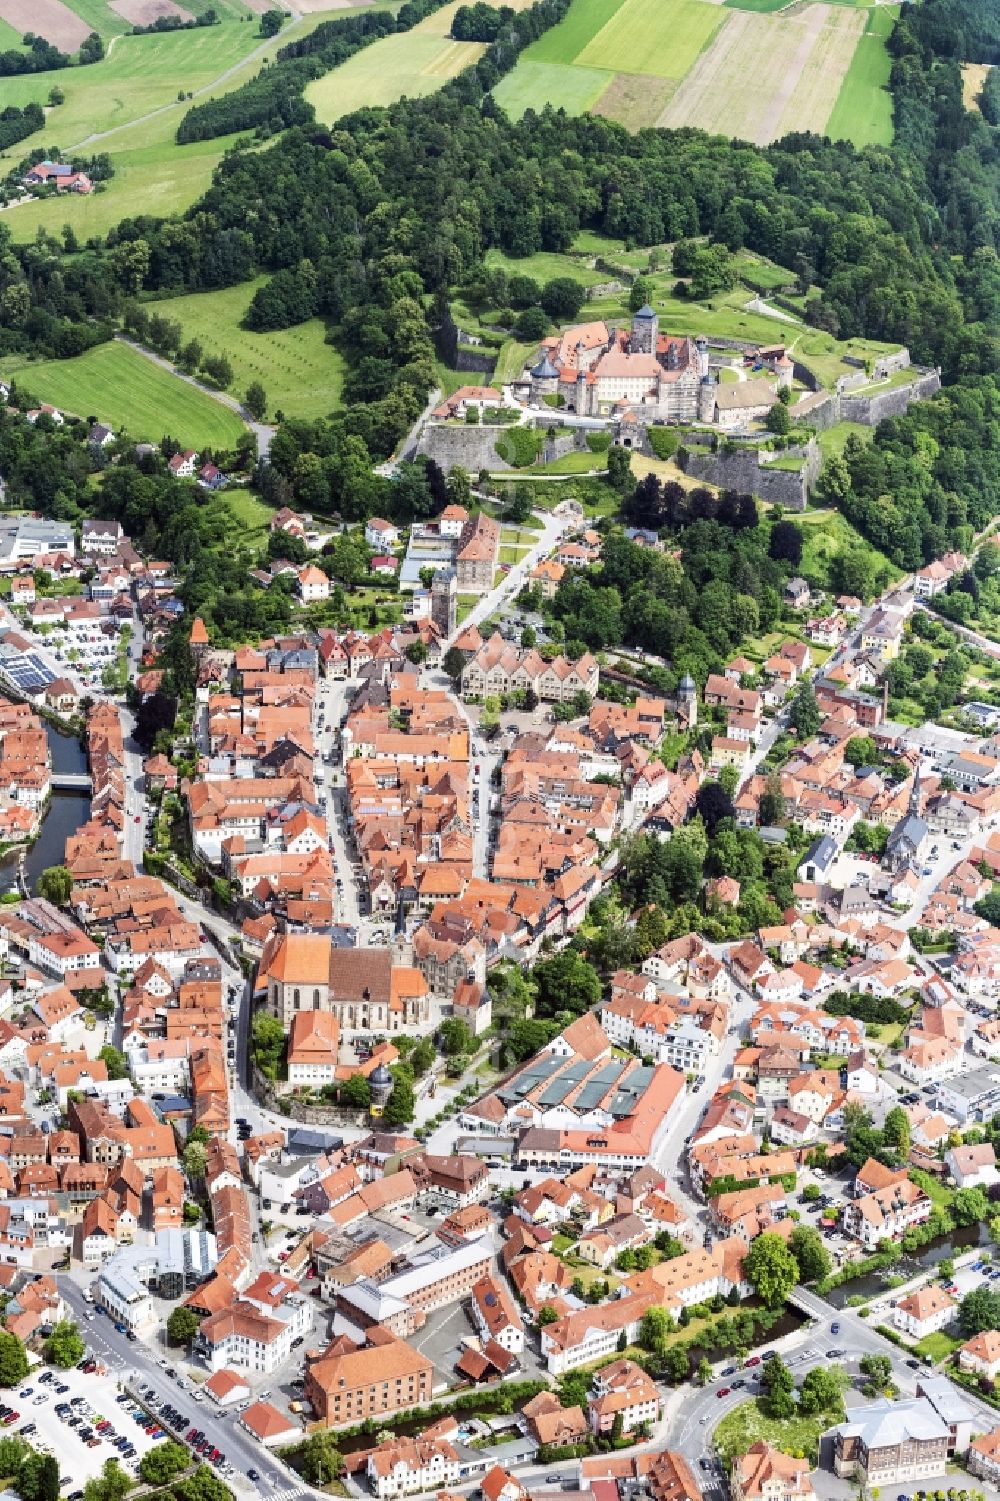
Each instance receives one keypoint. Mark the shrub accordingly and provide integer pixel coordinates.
(663, 441)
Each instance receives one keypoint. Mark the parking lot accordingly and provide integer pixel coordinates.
(85, 1399)
(179, 1420)
(827, 1207)
(86, 655)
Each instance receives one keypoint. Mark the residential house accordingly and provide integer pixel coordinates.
(623, 1395)
(924, 1312)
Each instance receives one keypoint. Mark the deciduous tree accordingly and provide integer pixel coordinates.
(771, 1268)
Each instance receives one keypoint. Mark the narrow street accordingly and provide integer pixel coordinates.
(670, 1156)
(513, 582)
(333, 699)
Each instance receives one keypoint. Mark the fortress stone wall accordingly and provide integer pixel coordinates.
(743, 471)
(472, 448)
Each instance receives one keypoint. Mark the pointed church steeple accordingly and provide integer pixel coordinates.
(915, 792)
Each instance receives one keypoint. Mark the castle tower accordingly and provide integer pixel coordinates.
(687, 701)
(706, 399)
(701, 345)
(380, 1083)
(785, 369)
(645, 330)
(444, 600)
(544, 380)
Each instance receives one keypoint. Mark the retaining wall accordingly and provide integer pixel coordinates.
(471, 448)
(474, 364)
(745, 473)
(557, 448)
(870, 410)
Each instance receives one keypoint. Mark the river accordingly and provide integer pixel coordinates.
(909, 1265)
(67, 811)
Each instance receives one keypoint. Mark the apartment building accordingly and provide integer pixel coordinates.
(984, 1457)
(924, 1312)
(981, 1354)
(763, 1473)
(243, 1337)
(313, 1047)
(407, 1466)
(495, 1314)
(452, 1182)
(888, 1212)
(588, 1334)
(891, 1443)
(623, 1390)
(442, 1275)
(353, 1382)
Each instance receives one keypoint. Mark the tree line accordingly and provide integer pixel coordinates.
(16, 124)
(274, 99)
(40, 57)
(926, 481)
(208, 17)
(480, 22)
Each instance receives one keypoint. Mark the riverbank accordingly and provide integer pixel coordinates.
(63, 815)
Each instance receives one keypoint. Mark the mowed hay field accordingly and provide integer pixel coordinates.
(863, 111)
(409, 65)
(299, 372)
(797, 65)
(125, 390)
(754, 69)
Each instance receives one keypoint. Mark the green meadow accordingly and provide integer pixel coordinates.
(298, 370)
(565, 42)
(407, 65)
(125, 390)
(863, 111)
(143, 73)
(644, 36)
(532, 85)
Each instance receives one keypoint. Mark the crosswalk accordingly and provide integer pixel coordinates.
(285, 1493)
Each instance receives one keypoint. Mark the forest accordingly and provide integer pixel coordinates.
(16, 124)
(926, 481)
(694, 609)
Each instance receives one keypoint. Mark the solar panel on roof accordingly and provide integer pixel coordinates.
(530, 1078)
(596, 1088)
(564, 1083)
